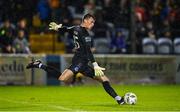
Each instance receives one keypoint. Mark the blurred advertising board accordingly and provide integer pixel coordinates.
(136, 68)
(13, 71)
(39, 76)
(121, 69)
(178, 69)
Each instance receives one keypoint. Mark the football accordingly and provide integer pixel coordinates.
(130, 98)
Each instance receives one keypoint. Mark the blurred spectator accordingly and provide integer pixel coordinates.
(17, 9)
(121, 14)
(151, 34)
(154, 18)
(43, 10)
(90, 7)
(100, 28)
(150, 30)
(20, 44)
(8, 49)
(77, 6)
(140, 11)
(157, 18)
(76, 21)
(109, 11)
(9, 28)
(5, 42)
(7, 35)
(164, 27)
(60, 12)
(118, 43)
(22, 25)
(168, 35)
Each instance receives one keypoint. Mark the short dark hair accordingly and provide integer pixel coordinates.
(87, 16)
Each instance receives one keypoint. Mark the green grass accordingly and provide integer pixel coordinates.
(88, 98)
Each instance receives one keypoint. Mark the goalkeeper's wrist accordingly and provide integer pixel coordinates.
(59, 26)
(95, 64)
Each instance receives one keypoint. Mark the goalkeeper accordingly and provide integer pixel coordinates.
(82, 56)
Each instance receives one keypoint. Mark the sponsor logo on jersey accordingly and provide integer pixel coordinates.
(88, 39)
(76, 68)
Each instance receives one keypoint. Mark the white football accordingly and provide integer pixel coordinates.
(130, 98)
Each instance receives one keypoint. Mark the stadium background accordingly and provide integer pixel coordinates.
(137, 41)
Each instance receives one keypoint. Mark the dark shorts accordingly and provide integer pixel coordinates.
(85, 69)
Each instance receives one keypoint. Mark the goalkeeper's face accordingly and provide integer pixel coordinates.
(89, 23)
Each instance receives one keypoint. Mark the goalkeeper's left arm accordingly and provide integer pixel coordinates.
(97, 69)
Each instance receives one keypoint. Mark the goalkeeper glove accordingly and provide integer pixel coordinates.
(98, 70)
(54, 26)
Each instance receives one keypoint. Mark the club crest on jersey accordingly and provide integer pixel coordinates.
(76, 68)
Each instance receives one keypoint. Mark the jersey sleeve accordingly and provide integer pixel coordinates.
(66, 29)
(88, 49)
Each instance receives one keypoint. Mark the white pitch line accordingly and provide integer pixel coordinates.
(38, 104)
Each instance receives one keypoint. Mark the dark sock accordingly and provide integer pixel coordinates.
(109, 89)
(53, 71)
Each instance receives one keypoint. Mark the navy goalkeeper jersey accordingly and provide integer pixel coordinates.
(83, 42)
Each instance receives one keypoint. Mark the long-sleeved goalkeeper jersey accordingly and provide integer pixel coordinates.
(82, 41)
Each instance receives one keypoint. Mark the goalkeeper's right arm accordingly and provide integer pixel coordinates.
(56, 27)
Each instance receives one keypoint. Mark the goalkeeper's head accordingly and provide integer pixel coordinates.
(88, 21)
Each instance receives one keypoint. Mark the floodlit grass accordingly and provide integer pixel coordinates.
(88, 98)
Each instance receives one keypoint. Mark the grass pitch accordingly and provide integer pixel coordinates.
(88, 98)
